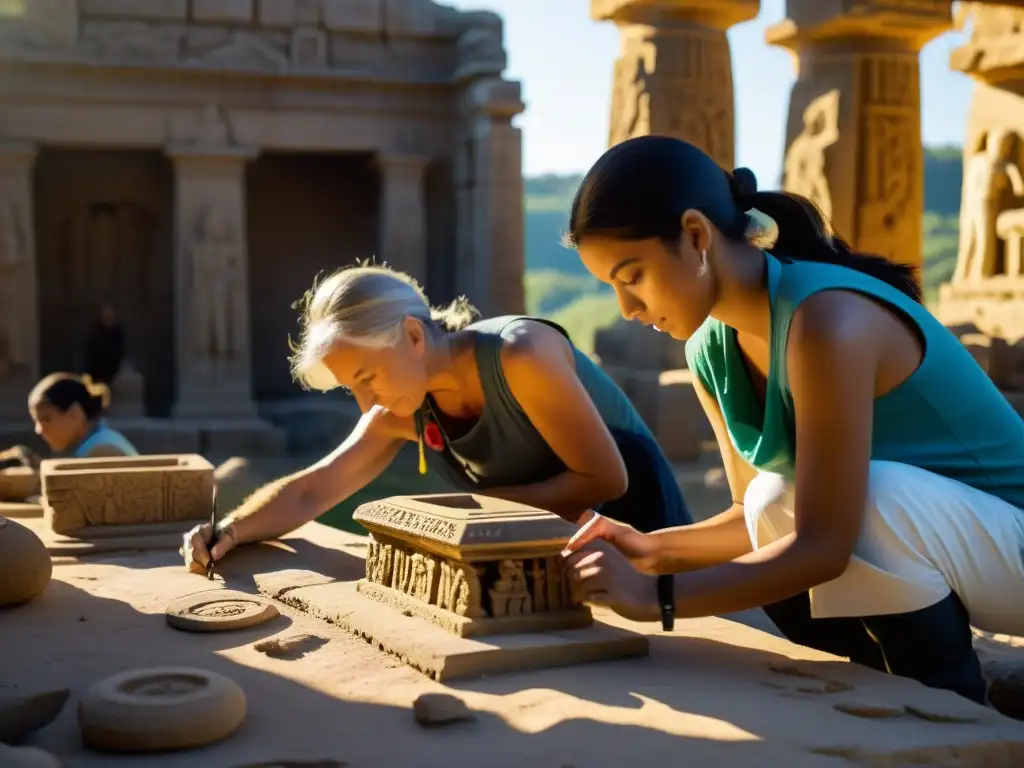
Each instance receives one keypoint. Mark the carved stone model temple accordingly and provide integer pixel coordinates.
(228, 151)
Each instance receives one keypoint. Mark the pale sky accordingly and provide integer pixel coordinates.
(565, 60)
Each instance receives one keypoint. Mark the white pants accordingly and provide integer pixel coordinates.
(921, 536)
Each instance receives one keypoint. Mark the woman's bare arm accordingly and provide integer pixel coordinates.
(723, 537)
(285, 504)
(540, 370)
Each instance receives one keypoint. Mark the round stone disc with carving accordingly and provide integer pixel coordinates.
(218, 610)
(160, 709)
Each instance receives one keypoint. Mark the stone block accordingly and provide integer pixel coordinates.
(135, 490)
(681, 424)
(18, 483)
(415, 18)
(309, 48)
(237, 11)
(353, 15)
(150, 9)
(440, 654)
(275, 13)
(470, 564)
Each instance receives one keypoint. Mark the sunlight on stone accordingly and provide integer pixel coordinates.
(12, 7)
(537, 710)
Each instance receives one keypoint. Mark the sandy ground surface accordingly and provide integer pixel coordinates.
(713, 693)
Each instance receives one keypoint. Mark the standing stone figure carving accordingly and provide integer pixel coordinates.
(804, 167)
(631, 99)
(990, 176)
(13, 261)
(217, 288)
(509, 595)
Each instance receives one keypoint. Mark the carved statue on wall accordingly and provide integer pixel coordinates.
(13, 261)
(992, 178)
(804, 167)
(631, 99)
(217, 288)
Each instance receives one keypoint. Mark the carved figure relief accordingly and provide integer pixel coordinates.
(509, 595)
(14, 351)
(631, 97)
(890, 186)
(804, 166)
(217, 288)
(309, 48)
(993, 183)
(514, 587)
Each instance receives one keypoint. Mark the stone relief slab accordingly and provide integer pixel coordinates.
(231, 11)
(354, 15)
(445, 655)
(149, 9)
(80, 493)
(470, 564)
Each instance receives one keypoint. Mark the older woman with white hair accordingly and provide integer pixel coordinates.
(507, 407)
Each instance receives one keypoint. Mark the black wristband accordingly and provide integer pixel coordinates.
(667, 601)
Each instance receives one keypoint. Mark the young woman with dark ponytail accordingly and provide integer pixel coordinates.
(877, 473)
(68, 414)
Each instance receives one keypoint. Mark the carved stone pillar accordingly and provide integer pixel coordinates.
(495, 164)
(403, 213)
(212, 283)
(673, 76)
(19, 310)
(987, 289)
(853, 139)
(488, 170)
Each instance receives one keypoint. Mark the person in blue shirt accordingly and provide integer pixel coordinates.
(67, 410)
(877, 473)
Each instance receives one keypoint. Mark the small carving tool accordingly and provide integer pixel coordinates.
(213, 535)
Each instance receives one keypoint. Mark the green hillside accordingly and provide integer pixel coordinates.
(558, 286)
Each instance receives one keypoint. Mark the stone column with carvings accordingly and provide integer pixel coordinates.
(212, 284)
(853, 139)
(403, 213)
(489, 171)
(19, 309)
(987, 288)
(673, 76)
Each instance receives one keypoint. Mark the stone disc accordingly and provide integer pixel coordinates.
(219, 610)
(160, 709)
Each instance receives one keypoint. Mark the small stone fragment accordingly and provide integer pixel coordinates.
(433, 709)
(22, 714)
(878, 711)
(289, 647)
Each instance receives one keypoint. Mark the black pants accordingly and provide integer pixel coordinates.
(932, 646)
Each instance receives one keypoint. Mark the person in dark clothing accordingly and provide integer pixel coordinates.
(105, 346)
(506, 407)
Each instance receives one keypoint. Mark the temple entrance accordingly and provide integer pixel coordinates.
(306, 213)
(104, 235)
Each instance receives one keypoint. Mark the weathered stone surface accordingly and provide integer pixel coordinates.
(471, 564)
(702, 686)
(222, 10)
(22, 713)
(18, 483)
(149, 9)
(432, 709)
(445, 656)
(354, 15)
(126, 491)
(25, 565)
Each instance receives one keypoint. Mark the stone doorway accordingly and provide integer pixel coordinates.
(104, 233)
(306, 213)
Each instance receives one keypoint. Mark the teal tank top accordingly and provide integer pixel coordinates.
(947, 417)
(104, 435)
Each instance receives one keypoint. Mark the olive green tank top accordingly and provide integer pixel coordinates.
(947, 417)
